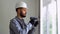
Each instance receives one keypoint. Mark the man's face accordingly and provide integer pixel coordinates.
(22, 12)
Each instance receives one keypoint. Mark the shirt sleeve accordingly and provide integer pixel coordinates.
(29, 27)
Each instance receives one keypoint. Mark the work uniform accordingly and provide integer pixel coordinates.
(18, 26)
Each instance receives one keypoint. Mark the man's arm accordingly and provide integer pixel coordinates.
(29, 27)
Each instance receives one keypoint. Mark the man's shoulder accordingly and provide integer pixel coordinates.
(13, 20)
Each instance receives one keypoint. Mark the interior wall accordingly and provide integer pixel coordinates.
(7, 12)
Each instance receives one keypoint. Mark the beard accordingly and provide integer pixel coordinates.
(22, 14)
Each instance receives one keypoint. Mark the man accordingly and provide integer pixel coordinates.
(17, 24)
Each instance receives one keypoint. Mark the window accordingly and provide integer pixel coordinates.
(48, 17)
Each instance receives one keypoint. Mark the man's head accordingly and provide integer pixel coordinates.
(21, 9)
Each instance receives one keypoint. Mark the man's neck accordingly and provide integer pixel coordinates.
(19, 17)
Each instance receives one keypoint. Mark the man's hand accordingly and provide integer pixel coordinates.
(34, 21)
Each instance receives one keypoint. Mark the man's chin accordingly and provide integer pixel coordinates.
(23, 16)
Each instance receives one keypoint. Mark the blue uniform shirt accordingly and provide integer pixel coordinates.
(17, 26)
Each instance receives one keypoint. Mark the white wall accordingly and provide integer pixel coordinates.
(7, 12)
